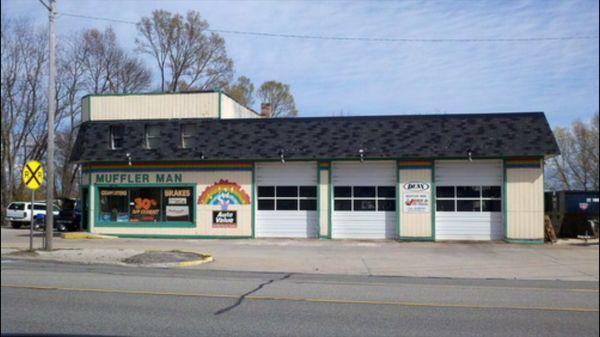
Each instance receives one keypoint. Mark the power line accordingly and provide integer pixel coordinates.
(364, 39)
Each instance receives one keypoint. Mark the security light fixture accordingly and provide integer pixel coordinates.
(281, 153)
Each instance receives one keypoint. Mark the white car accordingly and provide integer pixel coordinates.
(19, 213)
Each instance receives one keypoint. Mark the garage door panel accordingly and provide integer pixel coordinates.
(476, 225)
(285, 223)
(289, 224)
(364, 225)
(360, 224)
(289, 173)
(467, 173)
(478, 228)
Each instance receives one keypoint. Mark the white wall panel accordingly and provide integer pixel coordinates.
(464, 172)
(468, 226)
(355, 173)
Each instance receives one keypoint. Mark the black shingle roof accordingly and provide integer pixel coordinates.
(394, 137)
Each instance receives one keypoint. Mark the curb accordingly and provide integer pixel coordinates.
(77, 236)
(205, 259)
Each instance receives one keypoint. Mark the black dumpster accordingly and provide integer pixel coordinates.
(571, 212)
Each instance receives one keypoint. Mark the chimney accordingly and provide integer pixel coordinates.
(266, 110)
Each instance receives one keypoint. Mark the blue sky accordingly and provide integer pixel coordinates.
(560, 78)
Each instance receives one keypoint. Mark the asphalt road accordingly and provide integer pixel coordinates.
(47, 297)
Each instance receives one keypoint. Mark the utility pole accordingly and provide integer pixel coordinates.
(51, 113)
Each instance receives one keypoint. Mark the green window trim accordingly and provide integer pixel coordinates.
(142, 224)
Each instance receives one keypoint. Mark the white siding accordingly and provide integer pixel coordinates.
(288, 224)
(232, 109)
(468, 225)
(364, 224)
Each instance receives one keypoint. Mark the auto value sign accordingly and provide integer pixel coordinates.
(416, 197)
(224, 219)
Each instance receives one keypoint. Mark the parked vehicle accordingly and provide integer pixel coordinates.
(67, 219)
(19, 213)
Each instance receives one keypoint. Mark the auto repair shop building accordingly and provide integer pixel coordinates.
(199, 165)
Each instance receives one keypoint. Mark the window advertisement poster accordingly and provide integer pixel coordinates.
(178, 204)
(144, 204)
(416, 197)
(224, 219)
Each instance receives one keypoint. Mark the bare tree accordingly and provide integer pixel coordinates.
(280, 97)
(108, 67)
(577, 166)
(187, 55)
(242, 91)
(87, 62)
(23, 102)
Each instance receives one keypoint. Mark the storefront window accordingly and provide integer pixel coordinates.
(146, 204)
(114, 205)
(177, 204)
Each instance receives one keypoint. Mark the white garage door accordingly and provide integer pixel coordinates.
(364, 200)
(468, 200)
(286, 200)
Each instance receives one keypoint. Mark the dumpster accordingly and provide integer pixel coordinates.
(573, 212)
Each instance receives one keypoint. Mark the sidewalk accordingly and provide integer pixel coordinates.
(381, 258)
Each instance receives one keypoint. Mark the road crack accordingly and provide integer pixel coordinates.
(243, 296)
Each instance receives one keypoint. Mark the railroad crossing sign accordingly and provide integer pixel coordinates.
(33, 175)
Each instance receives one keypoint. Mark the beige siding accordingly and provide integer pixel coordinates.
(232, 109)
(525, 203)
(323, 202)
(165, 106)
(414, 225)
(203, 214)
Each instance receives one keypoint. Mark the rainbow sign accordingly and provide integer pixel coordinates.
(224, 193)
